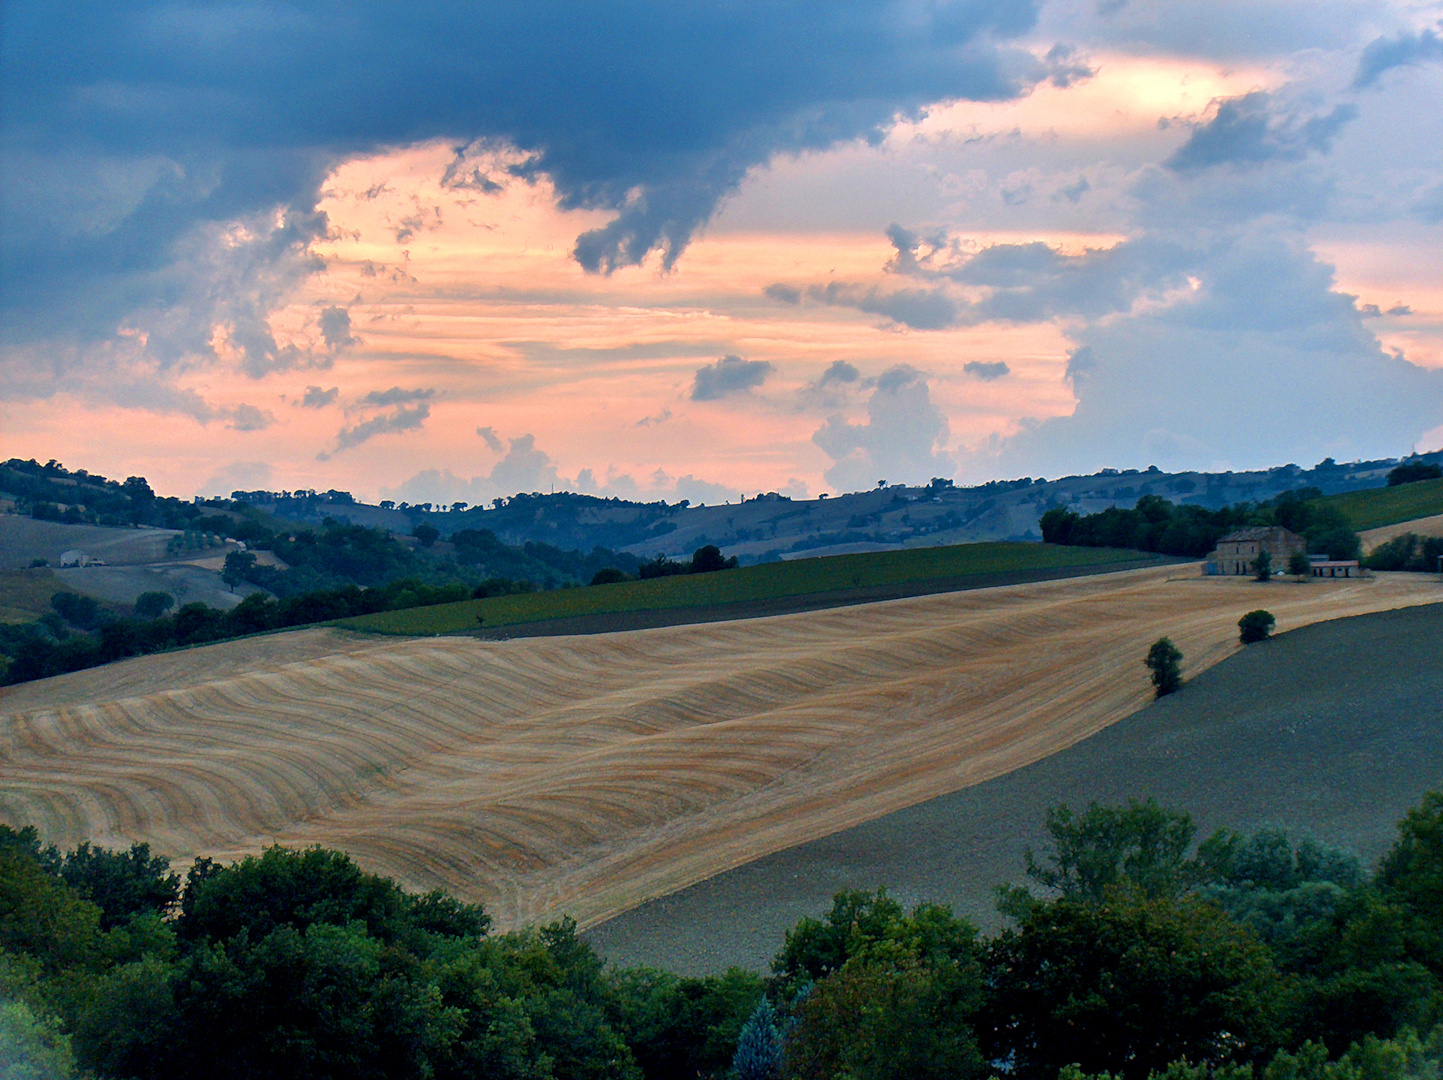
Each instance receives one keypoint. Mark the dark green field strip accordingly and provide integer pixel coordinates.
(749, 585)
(1376, 507)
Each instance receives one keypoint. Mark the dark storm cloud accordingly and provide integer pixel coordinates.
(1254, 129)
(1400, 51)
(173, 117)
(729, 375)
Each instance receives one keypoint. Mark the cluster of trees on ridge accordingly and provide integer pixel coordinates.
(1156, 524)
(1133, 954)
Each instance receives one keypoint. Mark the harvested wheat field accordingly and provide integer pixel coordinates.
(584, 775)
(1428, 526)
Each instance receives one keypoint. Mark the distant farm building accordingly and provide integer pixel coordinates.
(74, 558)
(1326, 567)
(1238, 551)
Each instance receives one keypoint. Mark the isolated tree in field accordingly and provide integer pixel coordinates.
(425, 533)
(1255, 626)
(1164, 660)
(1263, 566)
(238, 568)
(708, 559)
(1299, 565)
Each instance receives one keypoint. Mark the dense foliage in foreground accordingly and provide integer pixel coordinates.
(1137, 955)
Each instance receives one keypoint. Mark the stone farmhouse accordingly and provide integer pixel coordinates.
(1237, 551)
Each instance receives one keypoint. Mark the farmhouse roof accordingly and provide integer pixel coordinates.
(1257, 532)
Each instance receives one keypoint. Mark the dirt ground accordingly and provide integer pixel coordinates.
(1331, 731)
(587, 775)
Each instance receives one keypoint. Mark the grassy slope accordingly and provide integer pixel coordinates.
(796, 578)
(25, 594)
(1376, 507)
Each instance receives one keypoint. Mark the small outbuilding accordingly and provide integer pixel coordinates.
(74, 558)
(1333, 568)
(1237, 551)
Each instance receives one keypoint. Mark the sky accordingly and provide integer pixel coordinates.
(655, 249)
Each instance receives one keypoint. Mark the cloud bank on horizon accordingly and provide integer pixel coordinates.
(717, 248)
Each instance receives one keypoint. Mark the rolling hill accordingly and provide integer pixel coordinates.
(586, 775)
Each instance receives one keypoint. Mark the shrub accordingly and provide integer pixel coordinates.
(1255, 626)
(608, 575)
(1299, 565)
(1263, 567)
(1164, 660)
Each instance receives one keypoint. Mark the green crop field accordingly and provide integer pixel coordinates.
(1376, 507)
(753, 583)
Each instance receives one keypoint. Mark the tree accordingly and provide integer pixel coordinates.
(759, 1046)
(895, 992)
(152, 605)
(122, 884)
(1412, 472)
(1263, 566)
(708, 559)
(1141, 844)
(1164, 660)
(609, 575)
(1129, 985)
(426, 534)
(1255, 626)
(238, 568)
(81, 611)
(1299, 565)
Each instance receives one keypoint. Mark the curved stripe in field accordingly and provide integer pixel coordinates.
(586, 774)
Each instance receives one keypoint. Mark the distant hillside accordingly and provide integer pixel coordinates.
(768, 527)
(1376, 507)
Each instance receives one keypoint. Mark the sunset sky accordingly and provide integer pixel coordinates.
(660, 249)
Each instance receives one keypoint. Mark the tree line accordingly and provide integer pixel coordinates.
(1156, 524)
(81, 633)
(1133, 952)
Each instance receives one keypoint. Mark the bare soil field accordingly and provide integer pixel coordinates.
(23, 539)
(585, 775)
(186, 582)
(1332, 731)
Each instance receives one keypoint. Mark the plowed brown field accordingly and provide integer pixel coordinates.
(584, 775)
